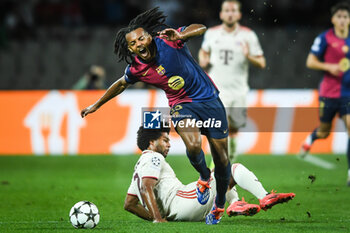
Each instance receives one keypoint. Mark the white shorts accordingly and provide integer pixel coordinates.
(236, 108)
(185, 206)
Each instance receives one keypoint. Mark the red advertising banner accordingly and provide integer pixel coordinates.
(49, 122)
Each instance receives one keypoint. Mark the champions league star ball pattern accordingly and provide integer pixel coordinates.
(84, 214)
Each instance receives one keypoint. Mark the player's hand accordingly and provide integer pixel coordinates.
(334, 69)
(170, 34)
(88, 110)
(245, 48)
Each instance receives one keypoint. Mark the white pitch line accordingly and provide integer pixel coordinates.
(318, 162)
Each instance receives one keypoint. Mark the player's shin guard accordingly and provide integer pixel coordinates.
(222, 176)
(247, 180)
(198, 162)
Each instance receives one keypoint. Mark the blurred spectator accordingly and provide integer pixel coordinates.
(18, 19)
(94, 79)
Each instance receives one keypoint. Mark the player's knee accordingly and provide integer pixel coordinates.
(194, 148)
(233, 167)
(127, 206)
(322, 134)
(232, 129)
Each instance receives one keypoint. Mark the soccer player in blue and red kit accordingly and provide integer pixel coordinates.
(330, 53)
(163, 60)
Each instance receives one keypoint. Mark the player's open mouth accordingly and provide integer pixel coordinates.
(144, 52)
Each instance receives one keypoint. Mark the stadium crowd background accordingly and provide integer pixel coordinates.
(49, 44)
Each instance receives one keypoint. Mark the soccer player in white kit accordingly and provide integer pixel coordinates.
(226, 52)
(157, 195)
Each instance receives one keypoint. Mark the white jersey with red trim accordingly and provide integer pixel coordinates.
(176, 201)
(153, 165)
(229, 65)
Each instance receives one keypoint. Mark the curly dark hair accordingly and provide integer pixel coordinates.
(340, 6)
(144, 136)
(151, 21)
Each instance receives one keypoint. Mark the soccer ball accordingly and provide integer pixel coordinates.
(84, 214)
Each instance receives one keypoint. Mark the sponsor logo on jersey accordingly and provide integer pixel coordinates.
(344, 64)
(176, 82)
(160, 70)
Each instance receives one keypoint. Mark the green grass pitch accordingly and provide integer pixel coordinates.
(36, 194)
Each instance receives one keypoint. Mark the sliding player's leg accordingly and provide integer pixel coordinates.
(248, 181)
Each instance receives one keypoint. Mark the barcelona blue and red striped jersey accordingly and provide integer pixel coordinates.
(332, 49)
(175, 71)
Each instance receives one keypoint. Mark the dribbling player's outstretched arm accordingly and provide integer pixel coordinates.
(149, 198)
(190, 31)
(115, 89)
(132, 204)
(312, 62)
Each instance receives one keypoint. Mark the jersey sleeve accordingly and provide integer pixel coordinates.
(178, 44)
(128, 76)
(152, 166)
(254, 45)
(319, 46)
(205, 44)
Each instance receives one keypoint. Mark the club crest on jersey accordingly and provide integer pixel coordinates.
(176, 82)
(160, 70)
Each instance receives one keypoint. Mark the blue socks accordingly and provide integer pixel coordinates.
(313, 136)
(198, 162)
(222, 176)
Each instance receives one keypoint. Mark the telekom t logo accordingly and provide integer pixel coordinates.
(226, 55)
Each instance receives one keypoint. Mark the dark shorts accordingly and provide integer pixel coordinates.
(209, 116)
(331, 106)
